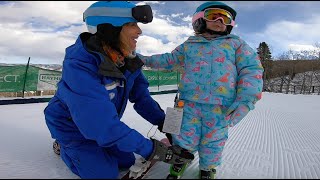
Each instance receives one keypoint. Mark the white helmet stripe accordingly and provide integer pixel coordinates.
(107, 11)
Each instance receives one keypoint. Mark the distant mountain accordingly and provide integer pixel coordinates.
(54, 67)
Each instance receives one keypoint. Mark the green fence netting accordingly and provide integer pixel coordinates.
(37, 79)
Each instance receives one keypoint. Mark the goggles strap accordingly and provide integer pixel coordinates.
(197, 16)
(105, 11)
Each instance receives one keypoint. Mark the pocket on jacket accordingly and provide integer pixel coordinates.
(112, 90)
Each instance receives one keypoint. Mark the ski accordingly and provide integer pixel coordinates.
(141, 166)
(139, 175)
(177, 172)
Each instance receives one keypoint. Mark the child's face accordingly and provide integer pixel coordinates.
(216, 26)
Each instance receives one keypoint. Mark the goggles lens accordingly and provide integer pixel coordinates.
(213, 14)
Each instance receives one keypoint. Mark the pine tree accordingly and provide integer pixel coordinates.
(265, 57)
(264, 52)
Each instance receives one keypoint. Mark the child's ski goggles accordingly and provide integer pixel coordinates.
(213, 14)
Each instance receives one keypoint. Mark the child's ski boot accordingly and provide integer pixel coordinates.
(176, 171)
(207, 174)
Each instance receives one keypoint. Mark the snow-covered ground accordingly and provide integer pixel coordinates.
(279, 139)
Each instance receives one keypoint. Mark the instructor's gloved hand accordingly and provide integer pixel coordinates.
(170, 154)
(168, 135)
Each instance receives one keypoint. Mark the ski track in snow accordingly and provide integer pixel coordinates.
(280, 138)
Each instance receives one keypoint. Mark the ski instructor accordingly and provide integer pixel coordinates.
(101, 72)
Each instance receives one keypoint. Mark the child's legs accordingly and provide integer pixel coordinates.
(189, 136)
(213, 137)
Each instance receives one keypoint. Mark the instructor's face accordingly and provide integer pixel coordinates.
(129, 34)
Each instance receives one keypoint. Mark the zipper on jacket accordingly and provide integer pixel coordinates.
(123, 97)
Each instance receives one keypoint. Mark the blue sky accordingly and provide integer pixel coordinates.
(42, 30)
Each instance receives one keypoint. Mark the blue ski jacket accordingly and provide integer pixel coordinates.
(222, 71)
(92, 96)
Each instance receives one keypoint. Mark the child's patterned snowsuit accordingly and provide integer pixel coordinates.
(219, 76)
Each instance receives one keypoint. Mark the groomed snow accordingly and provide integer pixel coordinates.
(278, 139)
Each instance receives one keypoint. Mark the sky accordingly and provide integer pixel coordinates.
(274, 141)
(43, 29)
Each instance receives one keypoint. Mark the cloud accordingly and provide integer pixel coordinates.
(40, 30)
(285, 35)
(166, 31)
(43, 29)
(300, 47)
(55, 13)
(149, 2)
(25, 42)
(163, 34)
(187, 19)
(148, 45)
(176, 15)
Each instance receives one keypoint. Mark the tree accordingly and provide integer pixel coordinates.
(265, 57)
(317, 45)
(264, 52)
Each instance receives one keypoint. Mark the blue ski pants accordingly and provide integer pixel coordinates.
(88, 160)
(204, 129)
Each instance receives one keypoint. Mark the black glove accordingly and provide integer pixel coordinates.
(168, 135)
(170, 154)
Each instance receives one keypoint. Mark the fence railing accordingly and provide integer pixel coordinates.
(19, 81)
(294, 89)
(16, 82)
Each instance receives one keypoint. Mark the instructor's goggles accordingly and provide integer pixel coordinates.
(141, 13)
(214, 14)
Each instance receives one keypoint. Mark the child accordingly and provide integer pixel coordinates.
(221, 82)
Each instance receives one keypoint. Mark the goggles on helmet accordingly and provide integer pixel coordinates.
(141, 13)
(214, 14)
